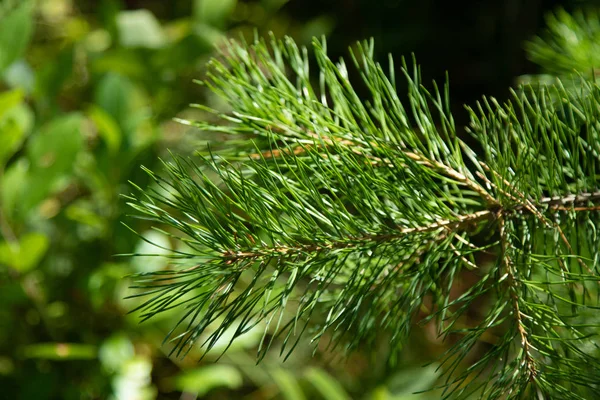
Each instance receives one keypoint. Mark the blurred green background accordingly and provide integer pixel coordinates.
(88, 93)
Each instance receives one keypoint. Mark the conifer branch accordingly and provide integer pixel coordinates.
(343, 214)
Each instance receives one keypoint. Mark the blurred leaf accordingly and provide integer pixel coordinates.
(213, 12)
(11, 134)
(115, 351)
(20, 118)
(209, 35)
(249, 339)
(83, 212)
(98, 41)
(569, 43)
(25, 254)
(288, 384)
(56, 145)
(404, 384)
(7, 366)
(113, 94)
(60, 351)
(57, 309)
(11, 137)
(107, 12)
(107, 128)
(155, 244)
(127, 105)
(76, 29)
(380, 393)
(140, 28)
(9, 100)
(52, 153)
(185, 52)
(104, 283)
(121, 61)
(273, 5)
(317, 27)
(55, 10)
(15, 32)
(325, 384)
(20, 75)
(53, 75)
(202, 380)
(134, 380)
(13, 185)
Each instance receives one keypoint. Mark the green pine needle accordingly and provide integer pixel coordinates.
(339, 218)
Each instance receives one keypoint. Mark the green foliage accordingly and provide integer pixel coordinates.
(13, 123)
(24, 254)
(567, 49)
(74, 125)
(570, 43)
(88, 92)
(202, 380)
(348, 219)
(140, 29)
(15, 31)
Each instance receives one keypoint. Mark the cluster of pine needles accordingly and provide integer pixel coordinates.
(338, 211)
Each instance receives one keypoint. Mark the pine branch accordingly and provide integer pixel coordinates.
(347, 213)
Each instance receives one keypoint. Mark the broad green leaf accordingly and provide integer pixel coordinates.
(202, 380)
(16, 28)
(13, 185)
(20, 75)
(404, 384)
(380, 393)
(22, 115)
(55, 9)
(140, 28)
(121, 61)
(134, 380)
(325, 384)
(213, 12)
(108, 129)
(9, 100)
(155, 244)
(25, 254)
(247, 340)
(52, 154)
(317, 27)
(56, 145)
(106, 284)
(10, 137)
(13, 125)
(53, 75)
(208, 36)
(127, 104)
(187, 50)
(288, 384)
(113, 94)
(115, 351)
(82, 211)
(60, 351)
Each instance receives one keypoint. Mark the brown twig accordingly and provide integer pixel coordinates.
(400, 232)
